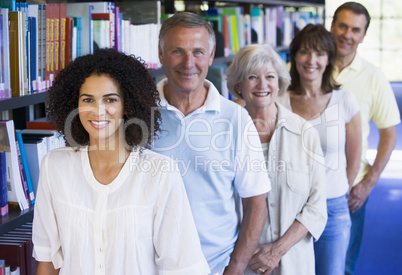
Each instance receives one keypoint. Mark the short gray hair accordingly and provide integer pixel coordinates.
(189, 20)
(251, 59)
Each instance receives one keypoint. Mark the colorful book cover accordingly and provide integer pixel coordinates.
(3, 184)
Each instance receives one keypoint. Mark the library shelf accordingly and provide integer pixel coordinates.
(15, 218)
(22, 101)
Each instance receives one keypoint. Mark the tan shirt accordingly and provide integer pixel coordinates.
(298, 190)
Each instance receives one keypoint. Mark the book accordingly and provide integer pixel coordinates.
(76, 40)
(2, 267)
(62, 35)
(226, 36)
(33, 24)
(3, 185)
(49, 55)
(37, 143)
(84, 11)
(5, 54)
(257, 25)
(117, 29)
(8, 4)
(18, 65)
(42, 42)
(33, 50)
(14, 252)
(26, 167)
(40, 123)
(109, 8)
(22, 173)
(141, 12)
(68, 40)
(23, 237)
(56, 37)
(35, 150)
(8, 143)
(101, 29)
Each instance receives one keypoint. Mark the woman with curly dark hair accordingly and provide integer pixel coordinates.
(106, 203)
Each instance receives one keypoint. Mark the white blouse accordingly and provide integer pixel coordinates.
(331, 126)
(140, 223)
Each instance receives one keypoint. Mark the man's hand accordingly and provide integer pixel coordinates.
(254, 217)
(358, 195)
(361, 191)
(265, 259)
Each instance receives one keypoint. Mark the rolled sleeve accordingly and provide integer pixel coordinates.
(45, 234)
(251, 171)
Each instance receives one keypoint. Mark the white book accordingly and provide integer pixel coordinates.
(74, 43)
(14, 184)
(5, 38)
(107, 7)
(35, 150)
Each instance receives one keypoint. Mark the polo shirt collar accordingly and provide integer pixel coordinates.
(356, 65)
(212, 103)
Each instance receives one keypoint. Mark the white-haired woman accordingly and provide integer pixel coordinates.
(296, 203)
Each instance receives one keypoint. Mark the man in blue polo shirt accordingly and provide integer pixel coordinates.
(215, 144)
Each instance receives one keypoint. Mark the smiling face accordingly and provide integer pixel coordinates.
(349, 32)
(100, 107)
(311, 64)
(186, 57)
(260, 89)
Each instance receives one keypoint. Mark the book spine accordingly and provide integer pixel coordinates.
(3, 185)
(22, 174)
(26, 168)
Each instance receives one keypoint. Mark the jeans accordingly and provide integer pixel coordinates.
(330, 249)
(356, 236)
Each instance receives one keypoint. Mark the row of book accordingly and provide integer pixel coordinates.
(38, 40)
(16, 251)
(21, 152)
(44, 38)
(275, 26)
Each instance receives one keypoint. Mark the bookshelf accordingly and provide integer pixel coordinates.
(20, 105)
(14, 219)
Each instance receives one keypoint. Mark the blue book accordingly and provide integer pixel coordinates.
(9, 4)
(3, 184)
(26, 167)
(32, 50)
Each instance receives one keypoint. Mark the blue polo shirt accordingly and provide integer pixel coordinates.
(218, 152)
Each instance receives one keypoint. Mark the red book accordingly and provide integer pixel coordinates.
(226, 36)
(68, 36)
(41, 123)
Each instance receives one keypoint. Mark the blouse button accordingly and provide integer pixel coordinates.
(272, 204)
